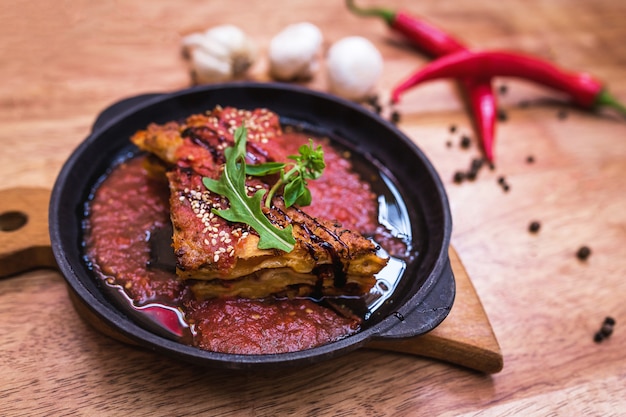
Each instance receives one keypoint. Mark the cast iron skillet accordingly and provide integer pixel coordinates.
(418, 304)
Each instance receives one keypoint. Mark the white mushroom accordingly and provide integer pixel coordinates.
(354, 67)
(221, 53)
(293, 53)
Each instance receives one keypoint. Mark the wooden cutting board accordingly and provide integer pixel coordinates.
(464, 338)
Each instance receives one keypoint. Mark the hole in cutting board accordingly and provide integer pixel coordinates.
(12, 220)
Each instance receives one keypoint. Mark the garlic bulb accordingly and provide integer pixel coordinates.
(354, 67)
(221, 53)
(293, 53)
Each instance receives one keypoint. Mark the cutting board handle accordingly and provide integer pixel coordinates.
(465, 337)
(24, 238)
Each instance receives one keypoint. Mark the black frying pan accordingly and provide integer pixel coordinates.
(425, 291)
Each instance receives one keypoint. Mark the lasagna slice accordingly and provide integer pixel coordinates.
(223, 257)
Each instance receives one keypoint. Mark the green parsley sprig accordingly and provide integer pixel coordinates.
(308, 165)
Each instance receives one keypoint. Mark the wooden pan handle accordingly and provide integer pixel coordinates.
(24, 238)
(464, 338)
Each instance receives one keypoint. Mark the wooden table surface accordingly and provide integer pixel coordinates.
(61, 63)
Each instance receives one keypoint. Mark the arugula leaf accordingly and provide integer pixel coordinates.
(267, 168)
(245, 209)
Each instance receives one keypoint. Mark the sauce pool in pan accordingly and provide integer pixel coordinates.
(127, 220)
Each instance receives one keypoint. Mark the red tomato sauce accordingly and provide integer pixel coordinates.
(130, 204)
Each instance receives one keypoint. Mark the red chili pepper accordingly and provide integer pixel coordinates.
(483, 104)
(425, 36)
(582, 88)
(435, 42)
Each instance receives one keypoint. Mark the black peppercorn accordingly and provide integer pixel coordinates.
(503, 89)
(583, 253)
(459, 176)
(452, 128)
(605, 331)
(373, 100)
(503, 184)
(530, 159)
(395, 116)
(562, 114)
(465, 142)
(534, 227)
(502, 115)
(477, 163)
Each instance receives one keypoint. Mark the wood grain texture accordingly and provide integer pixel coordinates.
(63, 62)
